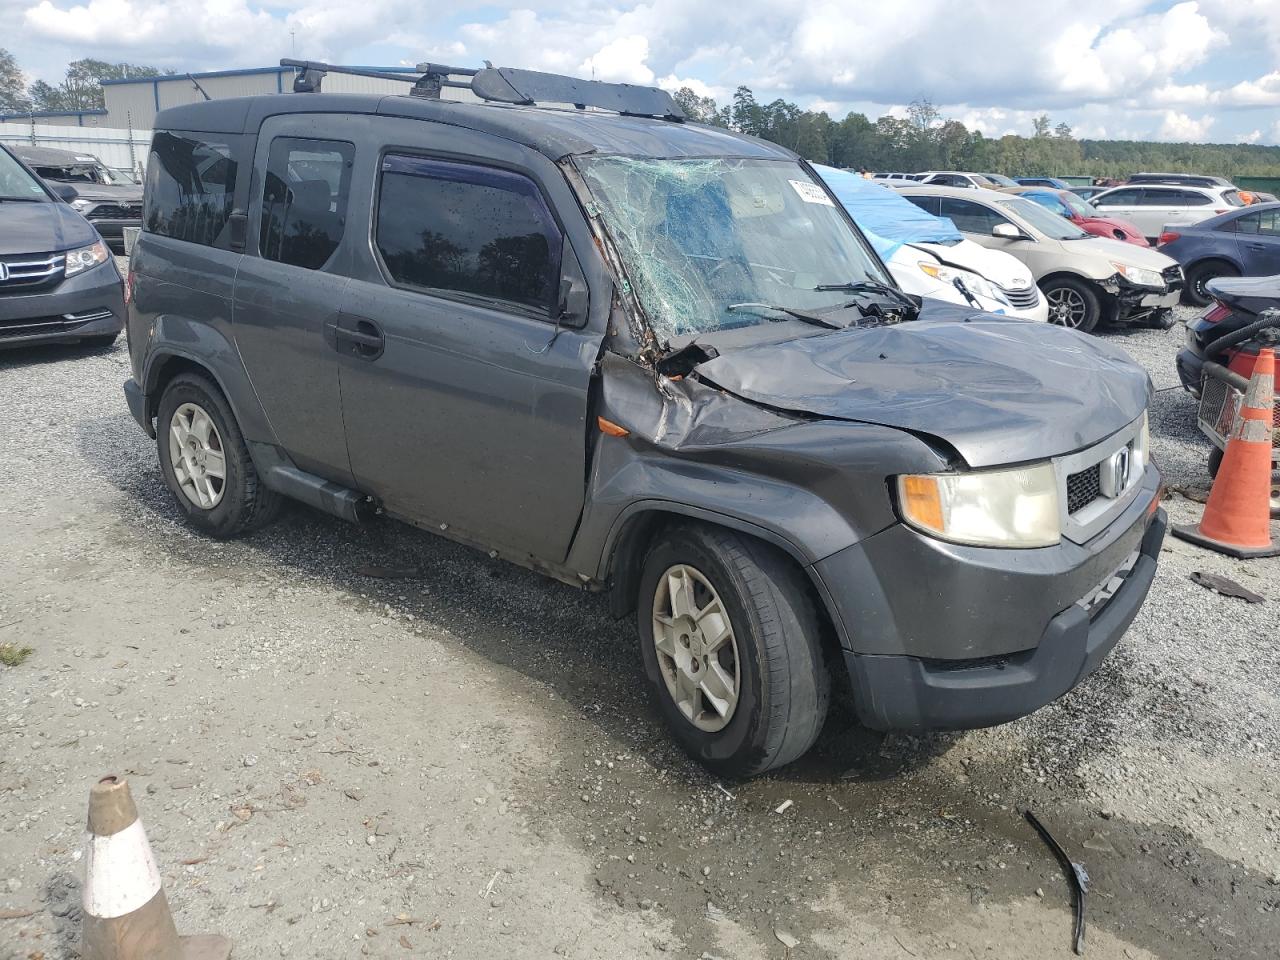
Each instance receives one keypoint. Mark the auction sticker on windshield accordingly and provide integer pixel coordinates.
(811, 192)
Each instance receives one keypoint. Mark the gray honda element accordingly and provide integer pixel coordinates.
(648, 358)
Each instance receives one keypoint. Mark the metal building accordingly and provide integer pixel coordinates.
(135, 103)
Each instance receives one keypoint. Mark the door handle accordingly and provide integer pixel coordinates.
(1257, 246)
(359, 337)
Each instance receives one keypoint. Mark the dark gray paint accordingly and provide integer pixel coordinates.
(481, 424)
(997, 391)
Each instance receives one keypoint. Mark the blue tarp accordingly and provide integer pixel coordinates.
(888, 219)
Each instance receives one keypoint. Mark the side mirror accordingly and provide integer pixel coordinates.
(63, 191)
(574, 300)
(1006, 231)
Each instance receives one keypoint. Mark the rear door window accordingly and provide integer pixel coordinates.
(304, 200)
(1120, 198)
(927, 204)
(190, 185)
(1263, 223)
(970, 217)
(468, 231)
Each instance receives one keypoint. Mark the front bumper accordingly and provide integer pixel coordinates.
(88, 305)
(1134, 301)
(944, 636)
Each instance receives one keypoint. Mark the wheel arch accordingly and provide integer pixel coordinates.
(640, 523)
(168, 360)
(1215, 257)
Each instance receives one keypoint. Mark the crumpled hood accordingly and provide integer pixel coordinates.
(42, 228)
(999, 391)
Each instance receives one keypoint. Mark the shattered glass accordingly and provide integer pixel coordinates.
(698, 236)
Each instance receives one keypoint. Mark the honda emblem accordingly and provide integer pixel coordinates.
(1113, 476)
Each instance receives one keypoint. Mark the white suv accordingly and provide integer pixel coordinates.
(1150, 206)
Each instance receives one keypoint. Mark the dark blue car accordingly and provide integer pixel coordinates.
(1241, 243)
(1052, 182)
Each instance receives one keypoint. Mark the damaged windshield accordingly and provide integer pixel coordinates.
(698, 236)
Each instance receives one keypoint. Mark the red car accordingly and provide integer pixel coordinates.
(1083, 214)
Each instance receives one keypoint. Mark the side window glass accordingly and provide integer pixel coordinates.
(970, 217)
(927, 204)
(1121, 198)
(1269, 223)
(1189, 198)
(1250, 223)
(468, 230)
(304, 200)
(190, 187)
(1160, 198)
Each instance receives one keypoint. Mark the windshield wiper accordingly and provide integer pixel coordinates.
(810, 318)
(22, 199)
(872, 286)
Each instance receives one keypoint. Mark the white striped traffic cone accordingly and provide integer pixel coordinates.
(126, 915)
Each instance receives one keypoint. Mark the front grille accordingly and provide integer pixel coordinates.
(60, 323)
(29, 272)
(116, 211)
(1083, 488)
(1172, 277)
(1024, 298)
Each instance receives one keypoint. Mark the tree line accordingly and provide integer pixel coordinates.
(926, 140)
(922, 140)
(79, 89)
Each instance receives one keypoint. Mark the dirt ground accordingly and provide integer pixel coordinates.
(463, 761)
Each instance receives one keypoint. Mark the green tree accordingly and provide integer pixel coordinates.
(696, 108)
(1062, 131)
(13, 94)
(81, 86)
(747, 115)
(1041, 124)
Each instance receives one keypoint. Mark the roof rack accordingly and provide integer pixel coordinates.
(506, 85)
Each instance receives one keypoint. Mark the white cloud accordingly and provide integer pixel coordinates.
(1119, 66)
(620, 61)
(1252, 137)
(1180, 127)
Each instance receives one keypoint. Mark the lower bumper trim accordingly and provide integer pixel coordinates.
(913, 694)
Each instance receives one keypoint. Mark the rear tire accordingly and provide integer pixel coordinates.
(193, 408)
(1073, 303)
(757, 700)
(1201, 274)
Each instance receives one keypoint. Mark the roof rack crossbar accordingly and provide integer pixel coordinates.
(506, 85)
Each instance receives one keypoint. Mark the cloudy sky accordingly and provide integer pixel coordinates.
(1204, 70)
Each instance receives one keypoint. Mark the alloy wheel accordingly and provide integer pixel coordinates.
(697, 649)
(1066, 307)
(196, 454)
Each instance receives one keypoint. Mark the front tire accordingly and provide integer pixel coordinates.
(731, 644)
(1073, 303)
(205, 462)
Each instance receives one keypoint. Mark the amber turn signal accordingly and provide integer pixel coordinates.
(610, 428)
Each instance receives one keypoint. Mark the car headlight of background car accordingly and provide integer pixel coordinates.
(1139, 275)
(976, 285)
(83, 258)
(1016, 507)
(80, 204)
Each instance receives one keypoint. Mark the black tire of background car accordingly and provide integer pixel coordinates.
(785, 685)
(1092, 305)
(1202, 273)
(246, 502)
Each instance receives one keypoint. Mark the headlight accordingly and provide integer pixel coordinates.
(992, 508)
(78, 261)
(80, 205)
(1141, 448)
(976, 285)
(1139, 275)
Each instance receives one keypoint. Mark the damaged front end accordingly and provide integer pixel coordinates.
(1136, 302)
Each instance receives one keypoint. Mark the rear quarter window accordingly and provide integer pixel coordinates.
(190, 187)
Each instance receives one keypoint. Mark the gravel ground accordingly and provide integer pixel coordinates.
(463, 762)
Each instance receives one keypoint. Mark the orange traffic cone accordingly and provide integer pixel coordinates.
(126, 915)
(1237, 518)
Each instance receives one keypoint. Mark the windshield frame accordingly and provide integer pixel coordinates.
(764, 328)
